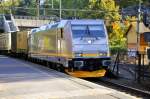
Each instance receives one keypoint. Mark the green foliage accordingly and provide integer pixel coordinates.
(117, 35)
(115, 50)
(116, 29)
(70, 4)
(10, 3)
(6, 6)
(27, 8)
(126, 3)
(108, 8)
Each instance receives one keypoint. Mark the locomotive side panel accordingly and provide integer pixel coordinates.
(43, 45)
(53, 44)
(64, 44)
(68, 40)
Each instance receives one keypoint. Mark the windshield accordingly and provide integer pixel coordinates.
(88, 31)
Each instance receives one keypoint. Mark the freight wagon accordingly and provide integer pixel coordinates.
(5, 43)
(19, 46)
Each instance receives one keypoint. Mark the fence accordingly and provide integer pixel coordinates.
(143, 69)
(131, 65)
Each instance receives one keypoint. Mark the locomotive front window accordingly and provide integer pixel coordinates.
(88, 30)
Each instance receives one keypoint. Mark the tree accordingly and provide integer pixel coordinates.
(126, 3)
(116, 29)
(108, 9)
(27, 7)
(6, 6)
(117, 35)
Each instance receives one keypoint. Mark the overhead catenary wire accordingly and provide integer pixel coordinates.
(120, 11)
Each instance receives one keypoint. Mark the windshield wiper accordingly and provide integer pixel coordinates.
(88, 34)
(88, 31)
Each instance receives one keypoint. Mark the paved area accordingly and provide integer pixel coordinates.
(24, 80)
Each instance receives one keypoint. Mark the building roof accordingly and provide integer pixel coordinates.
(142, 28)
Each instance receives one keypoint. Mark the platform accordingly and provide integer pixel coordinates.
(24, 80)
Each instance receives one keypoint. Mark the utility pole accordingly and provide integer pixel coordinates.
(1, 5)
(12, 7)
(74, 7)
(38, 8)
(52, 4)
(138, 26)
(138, 42)
(60, 9)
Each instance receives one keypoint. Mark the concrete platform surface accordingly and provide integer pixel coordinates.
(24, 80)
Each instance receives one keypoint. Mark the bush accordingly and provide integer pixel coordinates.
(115, 50)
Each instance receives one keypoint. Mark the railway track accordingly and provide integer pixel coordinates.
(121, 87)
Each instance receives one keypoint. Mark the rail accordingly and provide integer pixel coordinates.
(122, 87)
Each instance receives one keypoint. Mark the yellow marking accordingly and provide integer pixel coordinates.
(86, 74)
(90, 55)
(68, 55)
(52, 54)
(63, 54)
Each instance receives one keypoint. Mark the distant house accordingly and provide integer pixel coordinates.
(132, 37)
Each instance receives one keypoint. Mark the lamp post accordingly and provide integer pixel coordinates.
(60, 9)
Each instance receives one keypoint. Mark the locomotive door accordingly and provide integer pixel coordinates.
(59, 41)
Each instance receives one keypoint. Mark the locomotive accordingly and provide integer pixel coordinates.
(77, 47)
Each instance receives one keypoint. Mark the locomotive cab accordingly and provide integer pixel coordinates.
(90, 48)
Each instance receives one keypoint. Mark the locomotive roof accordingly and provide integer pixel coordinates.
(62, 24)
(89, 21)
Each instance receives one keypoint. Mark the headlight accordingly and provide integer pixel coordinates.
(78, 54)
(89, 41)
(102, 54)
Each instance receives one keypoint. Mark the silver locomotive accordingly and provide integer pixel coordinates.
(80, 47)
